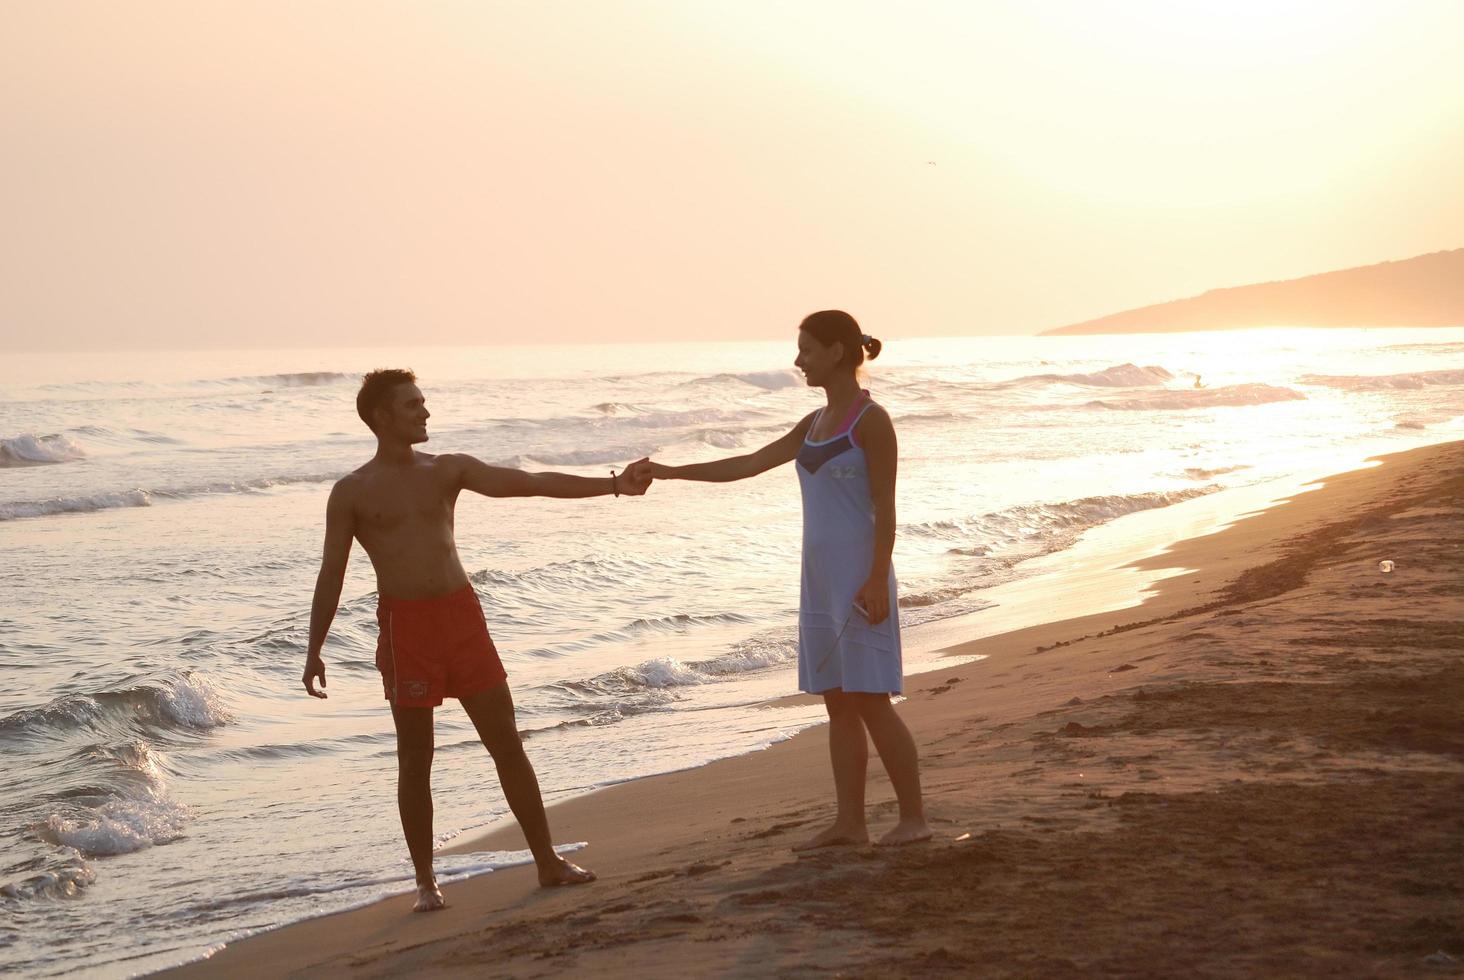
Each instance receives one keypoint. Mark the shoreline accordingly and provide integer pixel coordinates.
(722, 829)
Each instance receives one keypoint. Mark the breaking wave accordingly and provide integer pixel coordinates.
(1439, 348)
(576, 574)
(76, 505)
(766, 380)
(1201, 473)
(681, 622)
(1385, 382)
(991, 530)
(1118, 376)
(139, 497)
(181, 702)
(1183, 398)
(612, 455)
(773, 649)
(34, 450)
(659, 419)
(147, 390)
(299, 379)
(106, 793)
(999, 541)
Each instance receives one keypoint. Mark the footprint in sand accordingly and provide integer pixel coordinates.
(776, 828)
(652, 876)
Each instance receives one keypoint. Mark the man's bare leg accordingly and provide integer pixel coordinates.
(849, 754)
(492, 714)
(896, 748)
(414, 798)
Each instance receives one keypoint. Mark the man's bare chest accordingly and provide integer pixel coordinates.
(402, 505)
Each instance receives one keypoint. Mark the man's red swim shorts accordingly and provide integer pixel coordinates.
(435, 648)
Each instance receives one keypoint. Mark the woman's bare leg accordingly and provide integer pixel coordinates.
(849, 754)
(896, 748)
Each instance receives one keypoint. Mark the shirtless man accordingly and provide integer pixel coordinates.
(434, 642)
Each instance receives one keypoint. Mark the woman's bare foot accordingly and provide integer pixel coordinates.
(429, 898)
(906, 832)
(835, 836)
(564, 873)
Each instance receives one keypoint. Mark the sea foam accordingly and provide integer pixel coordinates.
(120, 826)
(71, 874)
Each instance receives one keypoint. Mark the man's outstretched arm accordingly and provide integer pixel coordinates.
(339, 529)
(500, 481)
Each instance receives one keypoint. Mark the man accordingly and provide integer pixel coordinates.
(434, 642)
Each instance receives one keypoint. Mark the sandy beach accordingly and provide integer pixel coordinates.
(1258, 771)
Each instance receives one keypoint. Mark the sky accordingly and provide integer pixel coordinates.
(224, 174)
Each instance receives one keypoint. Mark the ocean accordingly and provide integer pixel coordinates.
(168, 786)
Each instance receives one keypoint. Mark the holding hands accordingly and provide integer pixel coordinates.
(634, 480)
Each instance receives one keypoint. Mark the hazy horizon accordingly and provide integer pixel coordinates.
(247, 176)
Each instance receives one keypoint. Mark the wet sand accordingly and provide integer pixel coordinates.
(1259, 771)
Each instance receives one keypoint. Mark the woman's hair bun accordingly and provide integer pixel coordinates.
(838, 327)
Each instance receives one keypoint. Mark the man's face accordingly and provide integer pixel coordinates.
(405, 415)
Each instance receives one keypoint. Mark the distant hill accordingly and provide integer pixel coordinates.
(1427, 291)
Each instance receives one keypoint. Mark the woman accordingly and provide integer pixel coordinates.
(848, 620)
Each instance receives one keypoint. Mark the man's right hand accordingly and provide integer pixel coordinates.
(314, 668)
(636, 478)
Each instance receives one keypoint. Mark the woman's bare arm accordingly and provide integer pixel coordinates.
(882, 454)
(732, 468)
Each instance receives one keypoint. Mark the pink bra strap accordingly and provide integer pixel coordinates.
(854, 412)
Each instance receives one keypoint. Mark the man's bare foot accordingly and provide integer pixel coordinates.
(906, 832)
(835, 836)
(429, 898)
(565, 873)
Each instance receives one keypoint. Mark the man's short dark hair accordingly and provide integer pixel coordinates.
(376, 390)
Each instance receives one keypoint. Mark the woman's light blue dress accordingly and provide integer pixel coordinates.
(837, 648)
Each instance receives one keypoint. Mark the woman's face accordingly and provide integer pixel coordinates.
(817, 361)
